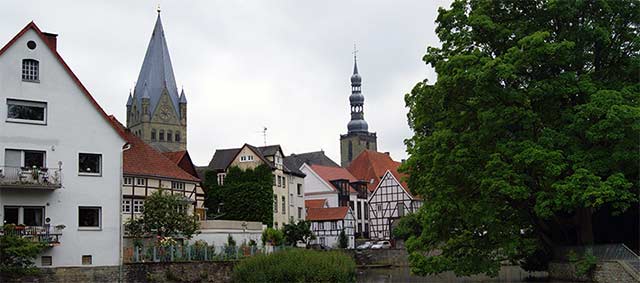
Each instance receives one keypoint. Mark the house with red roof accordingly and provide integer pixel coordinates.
(60, 157)
(339, 188)
(146, 170)
(328, 222)
(389, 197)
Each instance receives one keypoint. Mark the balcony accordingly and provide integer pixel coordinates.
(44, 234)
(30, 178)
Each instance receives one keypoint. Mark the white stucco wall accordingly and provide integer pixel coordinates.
(73, 126)
(296, 200)
(316, 188)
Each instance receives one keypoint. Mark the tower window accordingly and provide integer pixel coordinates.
(177, 136)
(169, 136)
(161, 135)
(153, 134)
(30, 70)
(350, 151)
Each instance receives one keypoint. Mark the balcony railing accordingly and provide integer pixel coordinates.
(25, 177)
(43, 234)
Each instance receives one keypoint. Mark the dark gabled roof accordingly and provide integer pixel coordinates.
(292, 166)
(310, 158)
(269, 150)
(222, 158)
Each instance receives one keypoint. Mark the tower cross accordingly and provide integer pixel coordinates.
(355, 51)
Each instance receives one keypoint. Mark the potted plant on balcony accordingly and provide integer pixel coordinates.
(58, 228)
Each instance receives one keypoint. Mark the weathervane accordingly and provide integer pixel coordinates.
(355, 51)
(158, 9)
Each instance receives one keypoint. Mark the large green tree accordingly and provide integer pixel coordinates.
(164, 215)
(245, 195)
(531, 127)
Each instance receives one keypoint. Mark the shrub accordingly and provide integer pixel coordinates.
(297, 265)
(584, 265)
(17, 253)
(343, 241)
(272, 236)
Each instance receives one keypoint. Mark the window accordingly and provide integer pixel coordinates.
(30, 70)
(86, 260)
(23, 111)
(169, 136)
(299, 190)
(321, 225)
(284, 205)
(126, 205)
(275, 203)
(177, 137)
(300, 212)
(90, 163)
(46, 260)
(138, 206)
(140, 181)
(27, 215)
(89, 217)
(221, 178)
(366, 211)
(291, 199)
(128, 181)
(400, 209)
(161, 135)
(275, 226)
(153, 134)
(24, 158)
(246, 158)
(358, 211)
(379, 208)
(334, 225)
(322, 241)
(284, 181)
(279, 181)
(177, 186)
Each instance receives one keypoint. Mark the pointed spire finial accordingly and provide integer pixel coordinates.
(158, 9)
(355, 59)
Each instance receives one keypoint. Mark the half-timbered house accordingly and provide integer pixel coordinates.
(389, 202)
(146, 170)
(328, 223)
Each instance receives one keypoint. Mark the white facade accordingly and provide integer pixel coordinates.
(389, 202)
(296, 198)
(72, 125)
(216, 232)
(318, 188)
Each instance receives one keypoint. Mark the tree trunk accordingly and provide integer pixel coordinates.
(583, 220)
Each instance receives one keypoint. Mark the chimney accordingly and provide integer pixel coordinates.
(51, 39)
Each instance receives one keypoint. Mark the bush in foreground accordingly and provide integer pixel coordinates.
(297, 265)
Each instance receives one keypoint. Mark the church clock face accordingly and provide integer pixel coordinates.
(164, 113)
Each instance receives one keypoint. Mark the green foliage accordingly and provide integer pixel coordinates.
(300, 231)
(408, 226)
(530, 128)
(343, 241)
(246, 195)
(296, 265)
(17, 254)
(230, 241)
(164, 215)
(272, 237)
(584, 265)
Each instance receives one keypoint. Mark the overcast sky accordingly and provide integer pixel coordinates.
(284, 65)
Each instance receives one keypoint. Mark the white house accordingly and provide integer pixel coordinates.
(61, 158)
(339, 188)
(389, 202)
(328, 223)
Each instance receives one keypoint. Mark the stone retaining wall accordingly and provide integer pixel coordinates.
(605, 272)
(138, 272)
(394, 257)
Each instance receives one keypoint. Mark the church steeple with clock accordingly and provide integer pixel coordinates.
(156, 112)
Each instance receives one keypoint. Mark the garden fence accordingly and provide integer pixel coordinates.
(185, 253)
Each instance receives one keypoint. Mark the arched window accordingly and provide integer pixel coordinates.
(153, 134)
(169, 136)
(30, 70)
(350, 151)
(177, 137)
(161, 135)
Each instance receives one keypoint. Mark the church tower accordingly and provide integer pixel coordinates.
(155, 111)
(358, 137)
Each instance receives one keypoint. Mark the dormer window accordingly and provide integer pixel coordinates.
(30, 70)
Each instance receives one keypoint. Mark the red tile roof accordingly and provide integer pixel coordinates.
(73, 76)
(371, 165)
(315, 203)
(175, 156)
(329, 174)
(142, 159)
(325, 214)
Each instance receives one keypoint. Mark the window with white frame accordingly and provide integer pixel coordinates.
(30, 70)
(299, 190)
(275, 203)
(177, 186)
(284, 181)
(221, 178)
(291, 199)
(284, 205)
(246, 158)
(25, 111)
(24, 158)
(140, 181)
(138, 206)
(128, 181)
(89, 217)
(126, 205)
(334, 225)
(90, 164)
(320, 225)
(26, 215)
(300, 212)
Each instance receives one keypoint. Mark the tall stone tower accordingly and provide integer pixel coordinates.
(358, 137)
(155, 111)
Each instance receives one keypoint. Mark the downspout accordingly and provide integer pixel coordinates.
(125, 147)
